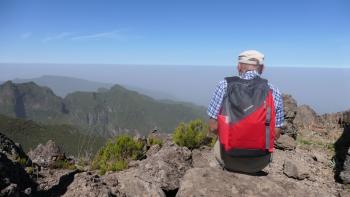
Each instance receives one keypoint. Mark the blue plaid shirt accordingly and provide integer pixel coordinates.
(220, 91)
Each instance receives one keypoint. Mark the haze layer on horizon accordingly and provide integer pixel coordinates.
(324, 89)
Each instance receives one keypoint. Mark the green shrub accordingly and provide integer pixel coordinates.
(192, 135)
(116, 154)
(155, 141)
(22, 161)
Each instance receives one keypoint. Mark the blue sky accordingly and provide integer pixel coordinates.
(298, 33)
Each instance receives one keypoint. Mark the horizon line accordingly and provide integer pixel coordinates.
(183, 65)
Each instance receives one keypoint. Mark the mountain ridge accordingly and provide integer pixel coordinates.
(110, 112)
(63, 85)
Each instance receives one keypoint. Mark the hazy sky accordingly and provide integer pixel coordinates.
(324, 89)
(294, 33)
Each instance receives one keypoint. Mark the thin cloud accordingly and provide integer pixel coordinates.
(99, 36)
(58, 36)
(26, 35)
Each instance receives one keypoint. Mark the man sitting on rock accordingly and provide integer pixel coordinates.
(246, 112)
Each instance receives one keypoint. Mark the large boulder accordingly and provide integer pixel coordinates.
(295, 169)
(166, 167)
(290, 110)
(129, 183)
(90, 184)
(54, 182)
(204, 157)
(12, 150)
(14, 180)
(47, 155)
(285, 142)
(157, 175)
(216, 182)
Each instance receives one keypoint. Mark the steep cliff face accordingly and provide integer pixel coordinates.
(29, 100)
(120, 110)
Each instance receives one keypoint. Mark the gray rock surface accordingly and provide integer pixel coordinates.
(129, 183)
(153, 150)
(294, 169)
(216, 182)
(204, 157)
(53, 182)
(91, 185)
(166, 167)
(290, 110)
(285, 142)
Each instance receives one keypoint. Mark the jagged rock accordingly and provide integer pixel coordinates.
(92, 185)
(14, 180)
(294, 169)
(160, 172)
(153, 150)
(10, 190)
(51, 182)
(12, 151)
(289, 106)
(46, 155)
(290, 110)
(129, 183)
(204, 157)
(166, 167)
(306, 117)
(285, 142)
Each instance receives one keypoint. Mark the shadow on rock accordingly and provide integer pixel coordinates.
(342, 157)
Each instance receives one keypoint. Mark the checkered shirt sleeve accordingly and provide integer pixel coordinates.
(218, 96)
(278, 100)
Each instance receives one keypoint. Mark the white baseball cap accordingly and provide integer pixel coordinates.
(251, 57)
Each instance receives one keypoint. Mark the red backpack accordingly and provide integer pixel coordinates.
(246, 122)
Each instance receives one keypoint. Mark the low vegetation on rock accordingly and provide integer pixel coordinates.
(193, 134)
(116, 154)
(154, 141)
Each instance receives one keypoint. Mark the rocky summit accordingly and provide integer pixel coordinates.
(304, 163)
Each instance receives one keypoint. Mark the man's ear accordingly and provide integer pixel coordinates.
(239, 68)
(262, 67)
